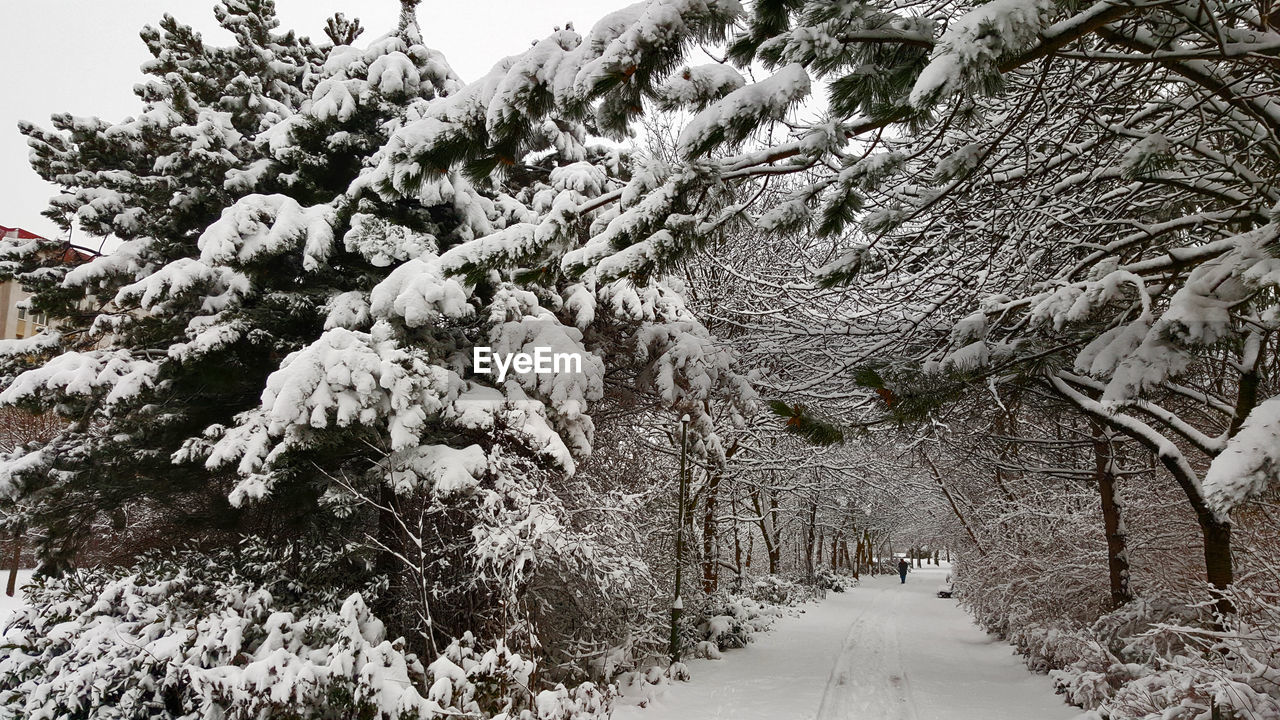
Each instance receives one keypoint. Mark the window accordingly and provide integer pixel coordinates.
(22, 312)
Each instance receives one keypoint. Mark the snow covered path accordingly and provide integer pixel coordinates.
(8, 605)
(882, 651)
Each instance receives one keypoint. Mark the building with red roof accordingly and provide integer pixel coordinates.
(17, 321)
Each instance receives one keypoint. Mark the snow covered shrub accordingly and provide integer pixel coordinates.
(584, 702)
(1193, 666)
(1190, 689)
(732, 621)
(830, 581)
(1089, 665)
(239, 634)
(726, 631)
(635, 687)
(785, 591)
(677, 672)
(260, 632)
(1163, 658)
(707, 650)
(469, 681)
(1032, 594)
(1046, 648)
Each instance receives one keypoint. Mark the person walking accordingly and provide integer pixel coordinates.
(903, 567)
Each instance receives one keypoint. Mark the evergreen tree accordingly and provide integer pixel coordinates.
(315, 238)
(156, 181)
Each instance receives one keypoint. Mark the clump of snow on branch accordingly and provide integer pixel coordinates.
(974, 43)
(733, 118)
(1250, 463)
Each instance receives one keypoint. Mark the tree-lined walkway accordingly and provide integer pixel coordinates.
(882, 651)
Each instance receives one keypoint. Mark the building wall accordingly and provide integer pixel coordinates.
(16, 322)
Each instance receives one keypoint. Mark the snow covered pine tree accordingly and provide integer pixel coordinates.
(314, 238)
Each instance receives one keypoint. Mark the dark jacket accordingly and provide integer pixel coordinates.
(903, 566)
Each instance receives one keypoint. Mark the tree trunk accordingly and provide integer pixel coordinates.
(1112, 520)
(775, 543)
(385, 561)
(772, 541)
(710, 566)
(1216, 531)
(737, 539)
(809, 541)
(1217, 559)
(762, 521)
(1247, 387)
(16, 560)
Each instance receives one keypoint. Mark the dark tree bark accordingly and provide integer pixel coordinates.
(767, 520)
(12, 586)
(809, 541)
(1216, 531)
(737, 539)
(710, 566)
(1112, 519)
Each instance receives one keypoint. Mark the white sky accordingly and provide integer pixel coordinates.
(82, 57)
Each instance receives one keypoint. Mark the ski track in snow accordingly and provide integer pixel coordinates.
(868, 679)
(881, 651)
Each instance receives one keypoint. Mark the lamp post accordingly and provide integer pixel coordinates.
(677, 605)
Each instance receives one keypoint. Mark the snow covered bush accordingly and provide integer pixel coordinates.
(1197, 674)
(831, 581)
(785, 590)
(244, 633)
(469, 681)
(731, 621)
(250, 632)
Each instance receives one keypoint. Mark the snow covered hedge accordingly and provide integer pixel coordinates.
(725, 620)
(1162, 658)
(791, 591)
(250, 633)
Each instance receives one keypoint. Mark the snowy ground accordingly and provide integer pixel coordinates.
(882, 651)
(9, 604)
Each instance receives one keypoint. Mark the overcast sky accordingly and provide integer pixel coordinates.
(82, 57)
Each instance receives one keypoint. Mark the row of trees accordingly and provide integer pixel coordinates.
(1065, 201)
